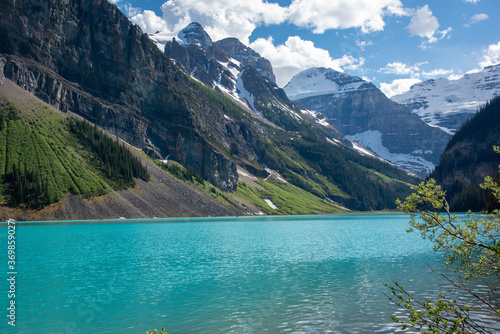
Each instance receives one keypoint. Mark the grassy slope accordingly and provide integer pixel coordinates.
(38, 139)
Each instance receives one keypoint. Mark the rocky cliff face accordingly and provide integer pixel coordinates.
(247, 57)
(364, 114)
(86, 56)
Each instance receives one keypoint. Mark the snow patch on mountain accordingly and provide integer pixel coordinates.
(245, 94)
(438, 101)
(318, 117)
(373, 141)
(321, 81)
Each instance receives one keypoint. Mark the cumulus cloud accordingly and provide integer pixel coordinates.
(415, 73)
(321, 15)
(424, 24)
(439, 72)
(239, 18)
(491, 56)
(149, 22)
(398, 86)
(223, 18)
(479, 17)
(363, 44)
(297, 55)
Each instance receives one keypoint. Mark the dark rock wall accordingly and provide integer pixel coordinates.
(86, 56)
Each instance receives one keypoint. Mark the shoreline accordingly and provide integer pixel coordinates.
(157, 220)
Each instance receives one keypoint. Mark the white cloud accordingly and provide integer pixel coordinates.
(455, 76)
(239, 18)
(437, 73)
(472, 1)
(321, 15)
(492, 56)
(401, 69)
(363, 44)
(223, 18)
(476, 18)
(297, 55)
(479, 17)
(149, 22)
(424, 24)
(398, 86)
(132, 11)
(414, 71)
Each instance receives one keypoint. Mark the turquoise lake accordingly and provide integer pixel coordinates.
(321, 274)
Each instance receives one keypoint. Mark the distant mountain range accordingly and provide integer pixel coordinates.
(212, 107)
(446, 103)
(215, 109)
(410, 130)
(241, 74)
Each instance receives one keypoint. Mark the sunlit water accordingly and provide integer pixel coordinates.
(302, 275)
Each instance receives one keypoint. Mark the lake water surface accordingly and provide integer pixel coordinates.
(321, 274)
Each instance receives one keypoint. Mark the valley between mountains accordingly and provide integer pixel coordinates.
(205, 119)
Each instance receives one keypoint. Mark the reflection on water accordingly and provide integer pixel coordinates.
(304, 275)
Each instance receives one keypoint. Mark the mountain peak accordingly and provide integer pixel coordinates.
(321, 81)
(247, 56)
(195, 34)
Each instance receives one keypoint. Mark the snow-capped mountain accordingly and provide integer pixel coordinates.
(243, 75)
(448, 103)
(365, 115)
(321, 81)
(194, 34)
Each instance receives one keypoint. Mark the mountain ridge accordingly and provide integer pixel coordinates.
(446, 103)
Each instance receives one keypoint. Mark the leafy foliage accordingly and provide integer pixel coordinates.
(471, 247)
(156, 332)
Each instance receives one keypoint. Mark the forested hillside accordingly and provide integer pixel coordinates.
(44, 156)
(469, 157)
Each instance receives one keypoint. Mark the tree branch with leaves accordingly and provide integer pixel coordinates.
(471, 247)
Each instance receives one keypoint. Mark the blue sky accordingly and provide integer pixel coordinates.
(392, 43)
